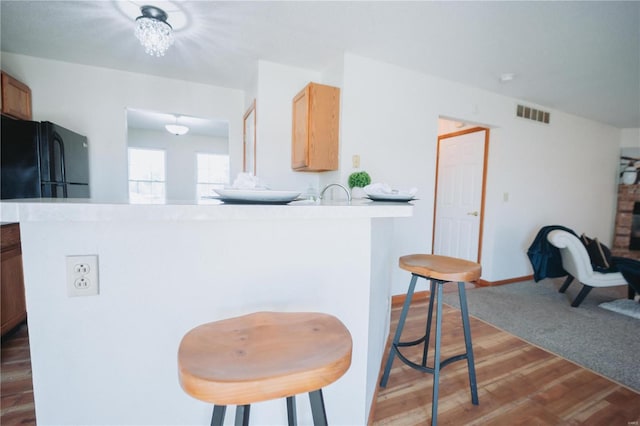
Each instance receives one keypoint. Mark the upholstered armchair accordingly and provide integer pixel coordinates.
(577, 264)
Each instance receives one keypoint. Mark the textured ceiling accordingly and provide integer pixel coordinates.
(580, 57)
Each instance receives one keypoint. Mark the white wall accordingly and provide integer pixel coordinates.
(93, 101)
(561, 173)
(385, 120)
(277, 85)
(180, 151)
(630, 138)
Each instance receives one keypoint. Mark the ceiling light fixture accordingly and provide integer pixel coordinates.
(176, 129)
(153, 30)
(507, 77)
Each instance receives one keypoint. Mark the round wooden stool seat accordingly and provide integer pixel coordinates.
(442, 268)
(262, 356)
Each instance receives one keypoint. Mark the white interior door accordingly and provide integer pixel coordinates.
(459, 189)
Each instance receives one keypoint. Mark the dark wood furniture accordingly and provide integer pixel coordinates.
(628, 195)
(14, 309)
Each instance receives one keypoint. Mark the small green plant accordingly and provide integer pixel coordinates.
(359, 179)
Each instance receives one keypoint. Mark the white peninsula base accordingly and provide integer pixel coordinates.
(163, 269)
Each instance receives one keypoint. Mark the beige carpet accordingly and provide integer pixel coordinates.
(603, 341)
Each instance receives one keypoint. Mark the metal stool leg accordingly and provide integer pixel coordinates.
(217, 419)
(317, 408)
(427, 333)
(467, 342)
(242, 415)
(291, 411)
(396, 337)
(436, 357)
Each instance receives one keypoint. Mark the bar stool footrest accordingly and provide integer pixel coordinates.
(413, 342)
(427, 369)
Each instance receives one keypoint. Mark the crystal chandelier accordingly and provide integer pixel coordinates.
(153, 30)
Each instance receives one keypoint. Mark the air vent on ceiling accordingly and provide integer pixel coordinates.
(533, 114)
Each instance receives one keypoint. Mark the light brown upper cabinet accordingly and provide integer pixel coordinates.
(16, 98)
(316, 118)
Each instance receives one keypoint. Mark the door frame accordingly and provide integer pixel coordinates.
(484, 183)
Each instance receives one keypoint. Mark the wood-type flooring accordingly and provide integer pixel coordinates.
(518, 383)
(16, 387)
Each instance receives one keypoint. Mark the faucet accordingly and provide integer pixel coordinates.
(336, 184)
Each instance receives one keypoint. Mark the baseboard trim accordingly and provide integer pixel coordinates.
(398, 299)
(483, 283)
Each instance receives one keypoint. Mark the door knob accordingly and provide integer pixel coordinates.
(472, 213)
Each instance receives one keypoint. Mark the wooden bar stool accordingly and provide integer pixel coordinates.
(263, 356)
(439, 270)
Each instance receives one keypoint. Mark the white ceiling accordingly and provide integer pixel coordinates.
(581, 57)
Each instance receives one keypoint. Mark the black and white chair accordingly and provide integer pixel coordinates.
(577, 263)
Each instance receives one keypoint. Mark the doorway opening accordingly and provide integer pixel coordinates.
(461, 171)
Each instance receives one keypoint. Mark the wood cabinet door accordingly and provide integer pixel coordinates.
(323, 127)
(13, 308)
(316, 112)
(300, 131)
(16, 98)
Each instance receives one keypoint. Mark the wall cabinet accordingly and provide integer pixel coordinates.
(13, 307)
(316, 117)
(16, 98)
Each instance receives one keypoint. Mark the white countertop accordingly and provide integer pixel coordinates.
(57, 209)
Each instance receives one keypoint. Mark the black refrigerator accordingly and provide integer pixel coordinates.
(42, 160)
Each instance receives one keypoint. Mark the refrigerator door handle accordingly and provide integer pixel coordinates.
(57, 139)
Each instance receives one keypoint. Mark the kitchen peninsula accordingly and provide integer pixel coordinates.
(163, 269)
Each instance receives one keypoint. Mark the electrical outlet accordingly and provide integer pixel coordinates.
(82, 275)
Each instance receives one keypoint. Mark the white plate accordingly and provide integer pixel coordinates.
(391, 197)
(253, 196)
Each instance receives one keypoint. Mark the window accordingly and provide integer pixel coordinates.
(213, 172)
(147, 182)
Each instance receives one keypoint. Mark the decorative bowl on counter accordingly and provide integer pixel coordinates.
(256, 196)
(391, 197)
(383, 192)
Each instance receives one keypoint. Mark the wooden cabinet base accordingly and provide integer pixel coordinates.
(13, 308)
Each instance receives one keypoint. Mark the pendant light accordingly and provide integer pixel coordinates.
(153, 30)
